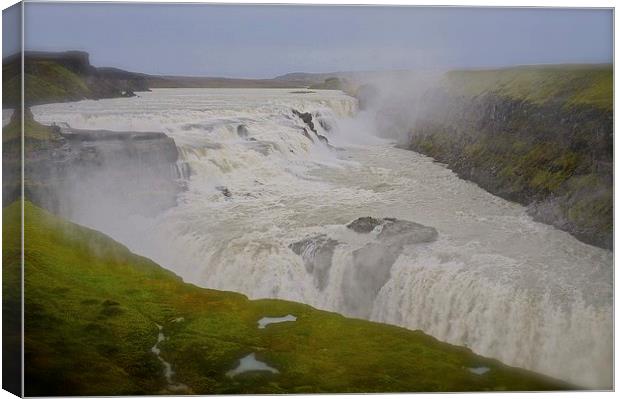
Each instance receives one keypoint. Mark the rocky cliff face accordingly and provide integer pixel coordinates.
(93, 171)
(555, 159)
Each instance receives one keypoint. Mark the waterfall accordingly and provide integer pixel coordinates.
(266, 209)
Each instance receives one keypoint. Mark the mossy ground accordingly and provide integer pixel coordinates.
(44, 82)
(572, 85)
(92, 308)
(33, 131)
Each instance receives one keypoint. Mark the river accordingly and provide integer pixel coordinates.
(494, 280)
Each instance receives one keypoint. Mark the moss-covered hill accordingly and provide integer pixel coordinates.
(93, 310)
(64, 76)
(567, 85)
(44, 81)
(51, 77)
(538, 135)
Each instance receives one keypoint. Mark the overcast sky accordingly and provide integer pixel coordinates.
(265, 41)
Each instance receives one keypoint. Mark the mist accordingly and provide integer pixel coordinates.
(396, 100)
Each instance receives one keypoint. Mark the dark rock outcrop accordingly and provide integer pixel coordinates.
(306, 117)
(405, 232)
(364, 224)
(242, 131)
(317, 253)
(394, 229)
(122, 173)
(372, 263)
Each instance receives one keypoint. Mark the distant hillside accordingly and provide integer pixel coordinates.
(69, 76)
(326, 80)
(66, 76)
(308, 78)
(215, 82)
(101, 320)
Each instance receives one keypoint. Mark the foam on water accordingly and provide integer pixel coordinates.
(495, 281)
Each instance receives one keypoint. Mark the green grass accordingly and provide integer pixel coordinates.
(44, 82)
(572, 85)
(33, 130)
(92, 308)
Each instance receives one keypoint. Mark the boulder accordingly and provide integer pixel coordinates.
(306, 117)
(242, 131)
(317, 253)
(364, 224)
(372, 263)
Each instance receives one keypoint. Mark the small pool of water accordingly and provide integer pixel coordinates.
(479, 370)
(249, 363)
(265, 321)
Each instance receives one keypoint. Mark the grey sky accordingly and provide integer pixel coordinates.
(11, 30)
(265, 41)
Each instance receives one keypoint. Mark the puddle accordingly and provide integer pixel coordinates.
(479, 370)
(168, 372)
(265, 321)
(249, 363)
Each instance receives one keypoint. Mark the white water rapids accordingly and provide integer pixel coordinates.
(494, 280)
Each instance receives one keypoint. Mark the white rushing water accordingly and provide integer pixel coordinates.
(494, 280)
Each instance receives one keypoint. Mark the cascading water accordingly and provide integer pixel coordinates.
(266, 212)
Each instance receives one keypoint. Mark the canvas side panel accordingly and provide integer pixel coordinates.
(11, 199)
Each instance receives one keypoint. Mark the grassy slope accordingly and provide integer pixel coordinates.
(33, 131)
(92, 305)
(44, 82)
(573, 85)
(11, 304)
